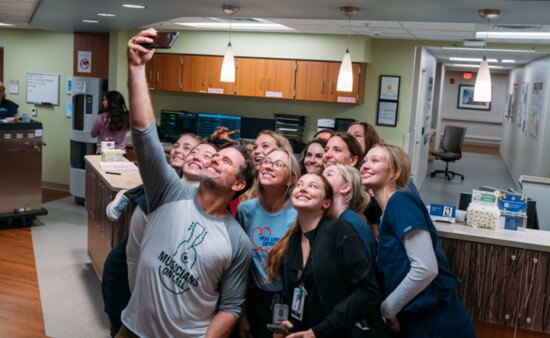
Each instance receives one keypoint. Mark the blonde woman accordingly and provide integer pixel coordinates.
(420, 298)
(349, 200)
(265, 220)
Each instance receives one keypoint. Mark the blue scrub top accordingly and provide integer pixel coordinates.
(8, 108)
(404, 212)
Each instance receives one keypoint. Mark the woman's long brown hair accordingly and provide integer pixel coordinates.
(277, 253)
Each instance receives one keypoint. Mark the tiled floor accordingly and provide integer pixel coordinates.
(70, 289)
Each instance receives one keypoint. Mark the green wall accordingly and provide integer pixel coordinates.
(42, 52)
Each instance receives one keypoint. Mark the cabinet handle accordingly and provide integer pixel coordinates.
(158, 76)
(528, 320)
(535, 260)
(268, 83)
(513, 257)
(330, 87)
(261, 82)
(506, 316)
(210, 80)
(322, 86)
(202, 79)
(150, 75)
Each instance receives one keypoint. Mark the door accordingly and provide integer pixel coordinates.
(311, 81)
(333, 69)
(249, 77)
(280, 76)
(215, 86)
(419, 156)
(169, 71)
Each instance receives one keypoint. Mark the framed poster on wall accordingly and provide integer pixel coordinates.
(387, 113)
(389, 87)
(466, 99)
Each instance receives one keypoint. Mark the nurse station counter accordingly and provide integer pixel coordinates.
(505, 274)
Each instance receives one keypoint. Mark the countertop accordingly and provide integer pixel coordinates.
(126, 180)
(538, 240)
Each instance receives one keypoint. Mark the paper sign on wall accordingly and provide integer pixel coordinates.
(84, 62)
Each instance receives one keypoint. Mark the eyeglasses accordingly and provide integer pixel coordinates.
(277, 165)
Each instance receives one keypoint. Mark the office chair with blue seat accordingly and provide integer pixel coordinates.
(451, 150)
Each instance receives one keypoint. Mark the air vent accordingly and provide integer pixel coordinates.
(518, 28)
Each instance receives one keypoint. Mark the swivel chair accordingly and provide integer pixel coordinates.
(451, 150)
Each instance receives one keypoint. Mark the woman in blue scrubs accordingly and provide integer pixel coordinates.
(419, 288)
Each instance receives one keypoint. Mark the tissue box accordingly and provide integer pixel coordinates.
(112, 155)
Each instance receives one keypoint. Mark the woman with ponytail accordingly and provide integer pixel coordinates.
(266, 219)
(329, 284)
(113, 123)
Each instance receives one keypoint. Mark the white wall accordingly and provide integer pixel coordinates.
(523, 153)
(484, 127)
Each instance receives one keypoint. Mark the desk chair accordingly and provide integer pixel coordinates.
(451, 150)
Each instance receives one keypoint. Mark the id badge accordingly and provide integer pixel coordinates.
(298, 301)
(280, 313)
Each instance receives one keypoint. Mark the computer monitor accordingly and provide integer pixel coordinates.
(208, 123)
(252, 126)
(173, 123)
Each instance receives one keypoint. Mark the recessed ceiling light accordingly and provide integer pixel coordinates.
(6, 24)
(133, 6)
(106, 14)
(464, 65)
(222, 25)
(90, 21)
(514, 35)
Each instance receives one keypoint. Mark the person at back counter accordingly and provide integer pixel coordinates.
(7, 108)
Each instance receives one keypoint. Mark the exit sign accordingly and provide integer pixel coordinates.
(467, 76)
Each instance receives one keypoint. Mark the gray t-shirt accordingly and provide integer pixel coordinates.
(190, 265)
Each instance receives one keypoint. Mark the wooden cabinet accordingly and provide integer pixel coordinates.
(164, 72)
(273, 78)
(266, 78)
(316, 81)
(502, 285)
(103, 234)
(201, 74)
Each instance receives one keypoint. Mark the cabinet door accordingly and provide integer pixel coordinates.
(195, 73)
(311, 81)
(169, 71)
(215, 86)
(151, 72)
(280, 78)
(249, 78)
(534, 313)
(333, 69)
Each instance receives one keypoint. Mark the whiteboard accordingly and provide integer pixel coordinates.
(43, 89)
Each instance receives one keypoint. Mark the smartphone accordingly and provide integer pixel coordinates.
(278, 328)
(162, 40)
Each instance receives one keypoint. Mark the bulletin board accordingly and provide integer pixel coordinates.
(43, 89)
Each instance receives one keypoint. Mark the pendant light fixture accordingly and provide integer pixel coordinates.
(483, 87)
(345, 76)
(228, 65)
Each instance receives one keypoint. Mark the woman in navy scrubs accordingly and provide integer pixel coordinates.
(419, 288)
(7, 108)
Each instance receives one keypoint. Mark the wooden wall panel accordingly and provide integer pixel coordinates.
(98, 44)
